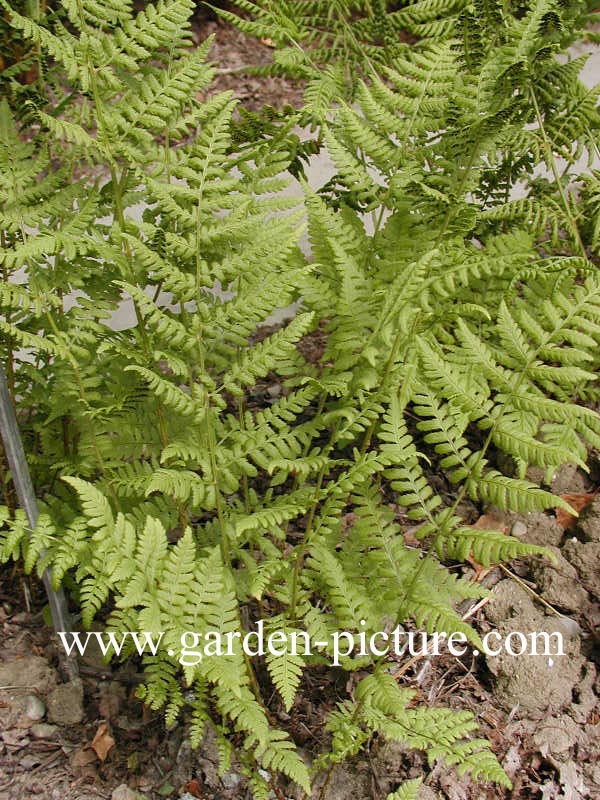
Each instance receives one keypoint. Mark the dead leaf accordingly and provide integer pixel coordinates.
(193, 788)
(102, 742)
(577, 502)
(480, 570)
(82, 757)
(268, 41)
(572, 783)
(488, 522)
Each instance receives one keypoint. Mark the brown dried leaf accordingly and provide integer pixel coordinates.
(103, 742)
(488, 522)
(577, 502)
(193, 788)
(82, 757)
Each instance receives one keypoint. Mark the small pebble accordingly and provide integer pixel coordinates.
(43, 730)
(34, 708)
(518, 529)
(123, 792)
(569, 627)
(230, 780)
(29, 762)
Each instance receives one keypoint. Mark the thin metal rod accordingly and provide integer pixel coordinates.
(15, 454)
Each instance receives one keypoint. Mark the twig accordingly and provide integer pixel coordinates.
(527, 588)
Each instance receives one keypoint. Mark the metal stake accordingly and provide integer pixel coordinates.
(13, 446)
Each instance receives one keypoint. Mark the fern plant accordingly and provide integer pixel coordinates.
(458, 323)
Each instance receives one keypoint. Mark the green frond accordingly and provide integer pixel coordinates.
(408, 791)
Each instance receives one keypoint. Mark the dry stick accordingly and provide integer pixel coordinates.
(13, 446)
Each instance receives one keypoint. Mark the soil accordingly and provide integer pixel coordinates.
(93, 739)
(233, 51)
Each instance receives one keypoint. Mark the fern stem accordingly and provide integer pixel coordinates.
(550, 160)
(10, 364)
(245, 487)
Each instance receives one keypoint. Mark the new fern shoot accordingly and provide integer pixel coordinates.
(459, 323)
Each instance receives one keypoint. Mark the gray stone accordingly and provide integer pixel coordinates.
(65, 703)
(519, 529)
(569, 480)
(536, 682)
(34, 708)
(588, 525)
(347, 783)
(43, 730)
(558, 583)
(587, 700)
(509, 599)
(425, 793)
(123, 792)
(585, 557)
(556, 735)
(230, 780)
(541, 530)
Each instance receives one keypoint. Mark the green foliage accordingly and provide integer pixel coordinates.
(458, 324)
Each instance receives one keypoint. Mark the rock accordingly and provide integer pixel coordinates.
(540, 529)
(425, 793)
(536, 475)
(570, 627)
(585, 557)
(559, 583)
(43, 730)
(347, 783)
(230, 780)
(454, 788)
(28, 762)
(32, 673)
(65, 703)
(586, 698)
(123, 792)
(556, 735)
(569, 480)
(509, 599)
(536, 682)
(519, 529)
(588, 525)
(391, 761)
(93, 656)
(34, 709)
